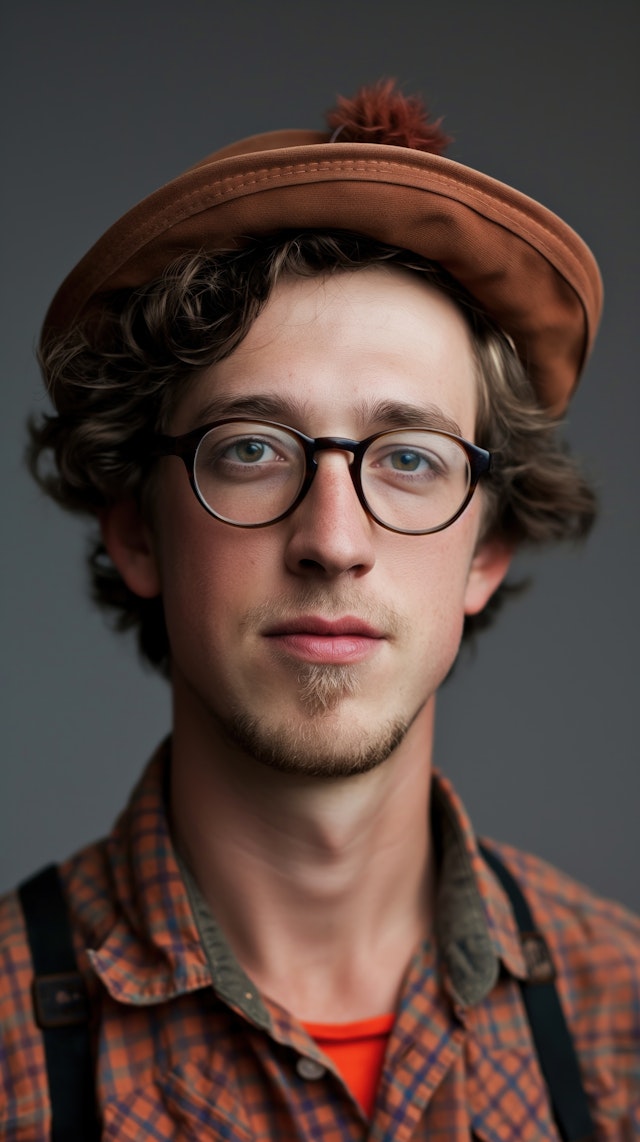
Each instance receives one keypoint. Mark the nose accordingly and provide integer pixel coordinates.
(330, 533)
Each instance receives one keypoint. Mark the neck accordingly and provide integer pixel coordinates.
(321, 885)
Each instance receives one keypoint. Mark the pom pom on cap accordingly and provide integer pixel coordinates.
(383, 114)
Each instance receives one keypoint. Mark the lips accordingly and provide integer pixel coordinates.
(311, 638)
(328, 628)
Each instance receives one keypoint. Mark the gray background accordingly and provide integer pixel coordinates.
(105, 101)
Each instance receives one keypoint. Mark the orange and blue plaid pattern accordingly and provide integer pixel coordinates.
(187, 1049)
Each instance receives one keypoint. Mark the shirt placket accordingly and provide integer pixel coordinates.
(424, 1046)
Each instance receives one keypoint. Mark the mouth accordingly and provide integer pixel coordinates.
(311, 638)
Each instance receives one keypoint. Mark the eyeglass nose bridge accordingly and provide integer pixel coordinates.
(336, 444)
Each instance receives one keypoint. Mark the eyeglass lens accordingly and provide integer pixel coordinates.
(251, 473)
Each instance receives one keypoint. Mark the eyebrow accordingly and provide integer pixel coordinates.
(371, 415)
(402, 414)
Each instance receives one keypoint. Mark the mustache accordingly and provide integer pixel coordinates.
(330, 604)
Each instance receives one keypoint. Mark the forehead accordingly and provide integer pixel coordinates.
(327, 354)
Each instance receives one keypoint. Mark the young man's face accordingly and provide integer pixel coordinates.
(317, 643)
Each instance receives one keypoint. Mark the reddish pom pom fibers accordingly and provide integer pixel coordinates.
(382, 114)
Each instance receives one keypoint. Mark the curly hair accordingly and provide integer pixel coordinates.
(117, 376)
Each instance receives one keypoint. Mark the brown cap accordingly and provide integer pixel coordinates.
(527, 269)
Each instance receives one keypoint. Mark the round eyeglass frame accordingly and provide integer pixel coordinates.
(186, 447)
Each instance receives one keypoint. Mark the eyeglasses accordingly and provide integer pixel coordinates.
(252, 473)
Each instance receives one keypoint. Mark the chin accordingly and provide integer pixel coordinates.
(314, 746)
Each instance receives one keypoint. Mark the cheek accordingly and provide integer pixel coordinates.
(435, 568)
(209, 573)
(430, 586)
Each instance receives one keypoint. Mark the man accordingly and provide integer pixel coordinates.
(308, 389)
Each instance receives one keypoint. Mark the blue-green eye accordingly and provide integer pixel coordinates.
(406, 461)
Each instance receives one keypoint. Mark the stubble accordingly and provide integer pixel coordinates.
(319, 740)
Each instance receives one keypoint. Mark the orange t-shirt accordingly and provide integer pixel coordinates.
(358, 1050)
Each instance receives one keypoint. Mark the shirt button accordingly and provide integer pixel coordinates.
(309, 1068)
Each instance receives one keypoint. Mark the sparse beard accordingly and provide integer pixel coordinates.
(310, 748)
(318, 740)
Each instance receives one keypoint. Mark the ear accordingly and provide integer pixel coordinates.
(128, 540)
(488, 568)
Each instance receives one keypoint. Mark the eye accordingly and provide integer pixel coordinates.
(227, 454)
(406, 460)
(249, 451)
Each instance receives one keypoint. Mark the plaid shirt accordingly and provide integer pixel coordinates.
(187, 1049)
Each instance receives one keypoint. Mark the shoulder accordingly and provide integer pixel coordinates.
(595, 948)
(24, 1102)
(15, 959)
(570, 914)
(88, 895)
(23, 1082)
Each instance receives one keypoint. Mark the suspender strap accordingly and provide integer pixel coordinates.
(554, 1046)
(61, 1007)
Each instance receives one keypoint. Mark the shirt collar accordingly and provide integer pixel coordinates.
(165, 942)
(475, 927)
(153, 950)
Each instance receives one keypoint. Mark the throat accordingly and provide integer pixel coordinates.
(322, 887)
(338, 985)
